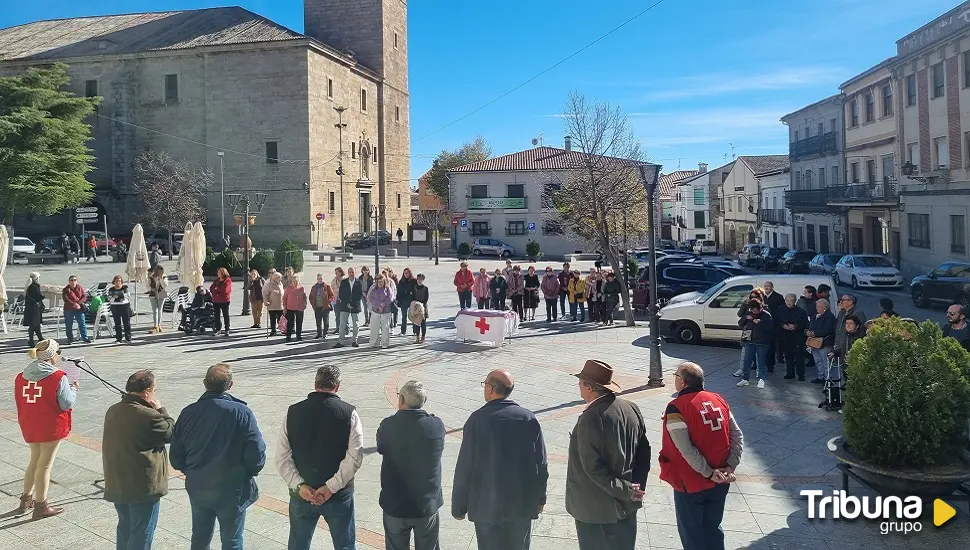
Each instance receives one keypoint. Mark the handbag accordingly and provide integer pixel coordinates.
(814, 342)
(282, 324)
(747, 335)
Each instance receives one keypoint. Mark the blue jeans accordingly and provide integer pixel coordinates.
(752, 352)
(136, 525)
(699, 517)
(232, 521)
(581, 306)
(338, 512)
(70, 317)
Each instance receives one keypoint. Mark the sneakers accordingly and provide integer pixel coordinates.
(761, 384)
(789, 377)
(742, 383)
(739, 373)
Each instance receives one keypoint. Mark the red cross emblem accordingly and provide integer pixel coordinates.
(32, 391)
(712, 416)
(482, 325)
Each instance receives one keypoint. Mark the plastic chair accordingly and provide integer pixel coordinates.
(101, 321)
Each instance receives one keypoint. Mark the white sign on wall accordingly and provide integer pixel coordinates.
(419, 235)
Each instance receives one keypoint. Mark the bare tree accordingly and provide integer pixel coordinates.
(593, 195)
(170, 192)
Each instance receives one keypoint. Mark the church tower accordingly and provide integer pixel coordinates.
(376, 33)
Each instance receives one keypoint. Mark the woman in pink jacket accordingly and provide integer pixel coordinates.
(294, 303)
(480, 288)
(550, 291)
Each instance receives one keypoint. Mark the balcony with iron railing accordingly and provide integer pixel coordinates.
(806, 199)
(876, 192)
(824, 144)
(774, 216)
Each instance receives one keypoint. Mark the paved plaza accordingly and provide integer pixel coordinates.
(784, 431)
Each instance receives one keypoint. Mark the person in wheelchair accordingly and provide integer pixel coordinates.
(196, 310)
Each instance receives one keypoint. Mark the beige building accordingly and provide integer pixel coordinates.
(869, 198)
(741, 198)
(198, 83)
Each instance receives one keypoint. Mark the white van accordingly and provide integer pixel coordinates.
(713, 314)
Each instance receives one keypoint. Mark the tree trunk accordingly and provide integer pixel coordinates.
(170, 247)
(624, 290)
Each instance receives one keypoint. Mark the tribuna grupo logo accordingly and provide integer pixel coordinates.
(896, 514)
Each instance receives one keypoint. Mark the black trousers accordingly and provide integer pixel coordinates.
(224, 308)
(34, 330)
(498, 304)
(294, 323)
(122, 319)
(551, 309)
(482, 303)
(606, 314)
(793, 349)
(562, 303)
(274, 320)
(699, 518)
(397, 533)
(322, 317)
(508, 535)
(517, 305)
(621, 535)
(465, 299)
(772, 353)
(420, 330)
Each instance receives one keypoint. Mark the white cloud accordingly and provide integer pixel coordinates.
(734, 83)
(714, 125)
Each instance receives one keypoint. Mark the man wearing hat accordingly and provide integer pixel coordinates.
(463, 284)
(609, 459)
(702, 446)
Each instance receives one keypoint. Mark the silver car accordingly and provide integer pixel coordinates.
(492, 247)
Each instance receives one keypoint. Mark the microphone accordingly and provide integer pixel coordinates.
(75, 360)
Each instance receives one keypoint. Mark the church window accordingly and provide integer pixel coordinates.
(272, 152)
(397, 113)
(171, 88)
(375, 154)
(90, 88)
(333, 200)
(395, 41)
(330, 88)
(353, 149)
(399, 201)
(363, 100)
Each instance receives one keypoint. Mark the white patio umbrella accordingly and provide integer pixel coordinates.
(185, 254)
(138, 264)
(196, 256)
(4, 247)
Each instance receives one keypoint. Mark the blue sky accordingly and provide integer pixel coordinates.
(695, 76)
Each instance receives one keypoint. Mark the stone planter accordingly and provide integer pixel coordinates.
(931, 481)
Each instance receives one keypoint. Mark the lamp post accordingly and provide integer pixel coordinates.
(650, 175)
(222, 191)
(377, 214)
(340, 168)
(249, 209)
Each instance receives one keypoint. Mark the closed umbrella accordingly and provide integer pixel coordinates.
(197, 256)
(185, 254)
(138, 264)
(4, 248)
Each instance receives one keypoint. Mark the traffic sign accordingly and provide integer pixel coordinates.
(86, 209)
(532, 227)
(87, 216)
(83, 221)
(464, 224)
(321, 216)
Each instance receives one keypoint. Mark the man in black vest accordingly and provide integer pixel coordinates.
(349, 295)
(502, 472)
(320, 450)
(411, 442)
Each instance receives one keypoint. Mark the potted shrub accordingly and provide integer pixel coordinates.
(906, 409)
(532, 250)
(464, 251)
(289, 254)
(262, 261)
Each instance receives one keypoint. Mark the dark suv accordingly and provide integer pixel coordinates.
(795, 261)
(678, 278)
(769, 258)
(948, 283)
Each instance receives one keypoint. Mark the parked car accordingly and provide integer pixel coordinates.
(705, 247)
(21, 246)
(713, 313)
(381, 236)
(677, 278)
(867, 271)
(749, 253)
(492, 247)
(100, 238)
(948, 283)
(796, 261)
(824, 264)
(769, 258)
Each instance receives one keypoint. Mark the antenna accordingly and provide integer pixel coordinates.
(733, 156)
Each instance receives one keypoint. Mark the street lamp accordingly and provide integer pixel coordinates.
(650, 174)
(340, 125)
(249, 208)
(222, 191)
(377, 214)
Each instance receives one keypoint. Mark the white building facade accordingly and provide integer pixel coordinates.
(776, 226)
(691, 210)
(741, 198)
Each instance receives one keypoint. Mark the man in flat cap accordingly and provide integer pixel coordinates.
(609, 459)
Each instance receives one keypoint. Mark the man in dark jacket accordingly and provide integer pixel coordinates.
(501, 475)
(773, 303)
(350, 294)
(134, 458)
(320, 450)
(757, 334)
(822, 327)
(609, 459)
(791, 322)
(847, 308)
(411, 442)
(219, 448)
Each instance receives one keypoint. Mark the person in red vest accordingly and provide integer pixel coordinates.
(463, 284)
(44, 398)
(702, 446)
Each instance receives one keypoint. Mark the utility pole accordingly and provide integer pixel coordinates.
(340, 168)
(249, 208)
(222, 192)
(656, 378)
(377, 212)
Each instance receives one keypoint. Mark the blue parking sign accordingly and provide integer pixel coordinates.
(463, 223)
(532, 226)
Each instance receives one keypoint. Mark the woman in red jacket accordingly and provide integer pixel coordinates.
(44, 399)
(220, 290)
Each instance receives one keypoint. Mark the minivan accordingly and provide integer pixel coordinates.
(713, 314)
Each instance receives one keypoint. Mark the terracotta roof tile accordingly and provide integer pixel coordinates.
(766, 164)
(668, 181)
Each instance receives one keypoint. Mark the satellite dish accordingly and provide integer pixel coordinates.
(535, 141)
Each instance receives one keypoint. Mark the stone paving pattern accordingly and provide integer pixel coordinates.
(784, 431)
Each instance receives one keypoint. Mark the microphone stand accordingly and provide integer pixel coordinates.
(90, 370)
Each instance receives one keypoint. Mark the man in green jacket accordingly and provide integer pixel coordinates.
(135, 461)
(609, 459)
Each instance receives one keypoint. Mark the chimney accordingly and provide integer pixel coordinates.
(569, 143)
(702, 167)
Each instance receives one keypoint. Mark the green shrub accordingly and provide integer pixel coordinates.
(226, 259)
(532, 249)
(295, 253)
(464, 250)
(908, 396)
(632, 268)
(263, 261)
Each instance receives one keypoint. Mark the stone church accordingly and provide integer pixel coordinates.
(265, 108)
